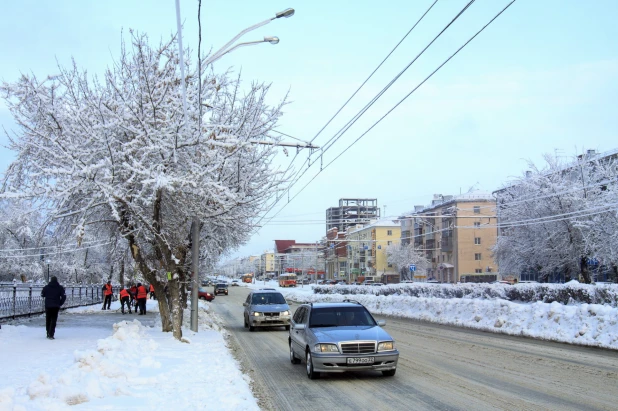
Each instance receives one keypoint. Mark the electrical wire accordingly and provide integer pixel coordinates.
(296, 177)
(374, 71)
(399, 103)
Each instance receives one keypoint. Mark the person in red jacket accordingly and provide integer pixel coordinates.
(107, 293)
(142, 295)
(152, 293)
(133, 292)
(125, 298)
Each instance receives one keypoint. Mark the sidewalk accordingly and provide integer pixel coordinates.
(104, 359)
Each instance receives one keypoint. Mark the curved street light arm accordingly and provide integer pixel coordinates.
(271, 40)
(224, 50)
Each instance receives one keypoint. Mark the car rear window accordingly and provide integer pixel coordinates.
(340, 316)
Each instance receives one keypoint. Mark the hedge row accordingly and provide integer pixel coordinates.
(570, 293)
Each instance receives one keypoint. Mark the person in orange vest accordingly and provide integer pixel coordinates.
(152, 293)
(133, 292)
(142, 295)
(107, 293)
(125, 298)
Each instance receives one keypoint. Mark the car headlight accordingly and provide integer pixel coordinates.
(326, 348)
(256, 314)
(285, 313)
(386, 346)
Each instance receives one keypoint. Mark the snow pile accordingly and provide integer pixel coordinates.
(137, 367)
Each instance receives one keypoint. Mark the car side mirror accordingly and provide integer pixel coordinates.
(244, 304)
(381, 323)
(299, 326)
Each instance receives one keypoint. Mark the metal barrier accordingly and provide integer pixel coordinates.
(25, 300)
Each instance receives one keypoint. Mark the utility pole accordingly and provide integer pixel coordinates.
(195, 250)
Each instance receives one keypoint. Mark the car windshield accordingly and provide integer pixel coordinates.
(268, 298)
(340, 317)
(221, 285)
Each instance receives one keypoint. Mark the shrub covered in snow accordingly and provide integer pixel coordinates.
(571, 292)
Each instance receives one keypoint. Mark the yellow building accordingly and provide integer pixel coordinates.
(267, 266)
(367, 249)
(456, 234)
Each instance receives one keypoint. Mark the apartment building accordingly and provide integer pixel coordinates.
(367, 244)
(456, 233)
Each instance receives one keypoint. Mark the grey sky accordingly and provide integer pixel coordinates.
(542, 78)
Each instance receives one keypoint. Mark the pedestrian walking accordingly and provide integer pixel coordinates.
(107, 292)
(54, 298)
(125, 298)
(142, 295)
(152, 293)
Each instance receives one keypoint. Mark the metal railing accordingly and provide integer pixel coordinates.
(25, 300)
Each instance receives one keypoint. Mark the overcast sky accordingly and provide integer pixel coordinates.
(543, 78)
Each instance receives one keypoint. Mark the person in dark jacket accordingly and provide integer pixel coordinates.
(54, 298)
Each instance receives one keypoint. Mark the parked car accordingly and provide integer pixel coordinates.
(378, 284)
(339, 337)
(205, 295)
(266, 308)
(306, 281)
(367, 282)
(235, 283)
(220, 288)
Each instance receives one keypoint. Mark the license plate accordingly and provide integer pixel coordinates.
(361, 360)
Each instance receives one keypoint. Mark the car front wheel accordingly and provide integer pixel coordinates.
(293, 358)
(389, 373)
(310, 373)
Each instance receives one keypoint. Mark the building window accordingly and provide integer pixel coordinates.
(477, 224)
(478, 270)
(477, 256)
(390, 265)
(477, 209)
(389, 232)
(389, 243)
(477, 240)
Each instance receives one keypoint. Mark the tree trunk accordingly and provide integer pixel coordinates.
(122, 273)
(583, 268)
(177, 310)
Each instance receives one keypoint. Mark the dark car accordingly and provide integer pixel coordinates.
(220, 288)
(339, 337)
(202, 294)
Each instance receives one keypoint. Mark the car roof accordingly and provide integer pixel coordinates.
(341, 304)
(265, 290)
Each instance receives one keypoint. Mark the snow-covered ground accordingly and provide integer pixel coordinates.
(93, 365)
(103, 360)
(583, 324)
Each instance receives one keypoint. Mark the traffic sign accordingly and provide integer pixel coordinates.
(412, 267)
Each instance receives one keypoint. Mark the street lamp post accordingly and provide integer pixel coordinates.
(47, 270)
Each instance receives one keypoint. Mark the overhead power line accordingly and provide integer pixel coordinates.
(397, 105)
(297, 177)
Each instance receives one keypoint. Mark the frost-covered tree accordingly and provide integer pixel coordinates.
(21, 249)
(117, 155)
(557, 218)
(403, 255)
